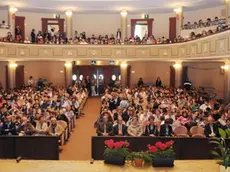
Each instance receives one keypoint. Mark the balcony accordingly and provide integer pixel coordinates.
(216, 46)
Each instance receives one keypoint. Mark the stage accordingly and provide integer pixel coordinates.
(99, 166)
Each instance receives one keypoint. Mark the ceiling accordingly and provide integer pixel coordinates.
(109, 6)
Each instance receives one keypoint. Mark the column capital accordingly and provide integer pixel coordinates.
(68, 64)
(124, 13)
(179, 10)
(69, 13)
(12, 9)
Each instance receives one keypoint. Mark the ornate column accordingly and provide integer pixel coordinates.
(123, 24)
(179, 19)
(69, 23)
(227, 11)
(68, 73)
(226, 69)
(12, 74)
(124, 74)
(178, 74)
(11, 19)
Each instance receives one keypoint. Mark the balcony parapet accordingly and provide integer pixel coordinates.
(216, 46)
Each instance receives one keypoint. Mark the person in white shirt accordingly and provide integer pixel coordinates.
(222, 120)
(30, 81)
(41, 127)
(204, 106)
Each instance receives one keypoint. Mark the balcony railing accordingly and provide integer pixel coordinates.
(210, 47)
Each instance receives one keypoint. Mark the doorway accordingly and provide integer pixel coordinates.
(20, 21)
(148, 22)
(51, 23)
(141, 30)
(100, 76)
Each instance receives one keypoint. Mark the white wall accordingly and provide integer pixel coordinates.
(96, 23)
(211, 77)
(33, 21)
(109, 23)
(4, 15)
(195, 16)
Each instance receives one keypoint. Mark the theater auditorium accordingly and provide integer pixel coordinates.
(115, 85)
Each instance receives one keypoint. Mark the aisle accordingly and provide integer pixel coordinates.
(79, 145)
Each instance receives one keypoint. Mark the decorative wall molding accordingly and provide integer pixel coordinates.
(212, 47)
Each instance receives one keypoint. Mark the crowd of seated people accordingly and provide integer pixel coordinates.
(200, 24)
(56, 37)
(39, 109)
(159, 111)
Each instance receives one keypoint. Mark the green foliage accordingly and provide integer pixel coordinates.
(116, 152)
(168, 153)
(221, 152)
(140, 155)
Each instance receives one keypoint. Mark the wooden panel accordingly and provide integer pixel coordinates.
(20, 21)
(172, 28)
(19, 76)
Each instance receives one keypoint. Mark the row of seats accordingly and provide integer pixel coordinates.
(195, 131)
(68, 128)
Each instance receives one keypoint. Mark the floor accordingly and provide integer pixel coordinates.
(79, 145)
(99, 166)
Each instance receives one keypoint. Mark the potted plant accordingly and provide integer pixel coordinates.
(162, 154)
(115, 152)
(139, 158)
(221, 150)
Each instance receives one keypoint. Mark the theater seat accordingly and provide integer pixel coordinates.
(181, 131)
(197, 131)
(64, 125)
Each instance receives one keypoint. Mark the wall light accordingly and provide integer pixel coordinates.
(69, 13)
(13, 9)
(13, 65)
(177, 10)
(225, 67)
(78, 62)
(124, 64)
(124, 13)
(68, 65)
(177, 65)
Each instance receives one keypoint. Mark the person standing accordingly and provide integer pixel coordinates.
(88, 85)
(18, 34)
(158, 82)
(33, 36)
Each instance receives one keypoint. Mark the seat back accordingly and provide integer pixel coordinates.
(180, 130)
(197, 130)
(62, 123)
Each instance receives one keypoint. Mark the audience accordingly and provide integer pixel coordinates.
(56, 37)
(202, 24)
(36, 109)
(157, 111)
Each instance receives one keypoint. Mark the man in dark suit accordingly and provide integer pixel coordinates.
(8, 127)
(120, 129)
(105, 128)
(151, 128)
(114, 102)
(166, 129)
(211, 128)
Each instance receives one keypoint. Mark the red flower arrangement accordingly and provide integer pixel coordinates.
(163, 150)
(119, 148)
